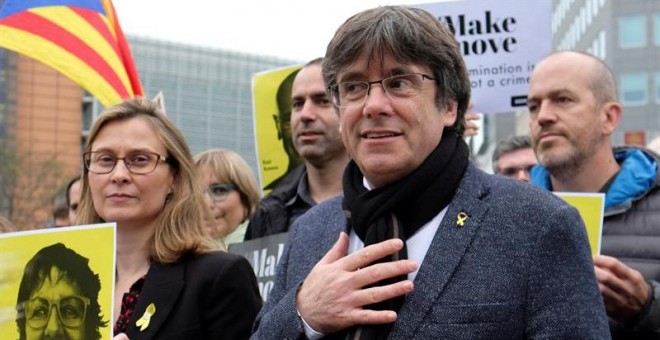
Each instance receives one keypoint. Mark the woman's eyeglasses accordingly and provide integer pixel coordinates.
(70, 309)
(219, 191)
(140, 163)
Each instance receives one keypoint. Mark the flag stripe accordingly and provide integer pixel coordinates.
(102, 24)
(12, 7)
(109, 11)
(37, 25)
(92, 36)
(60, 59)
(129, 63)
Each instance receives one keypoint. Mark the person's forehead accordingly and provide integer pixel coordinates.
(518, 156)
(129, 135)
(387, 65)
(55, 284)
(308, 82)
(206, 173)
(554, 72)
(312, 71)
(214, 174)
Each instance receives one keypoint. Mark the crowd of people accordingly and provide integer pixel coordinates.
(393, 232)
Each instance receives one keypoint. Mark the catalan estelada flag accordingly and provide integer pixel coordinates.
(80, 38)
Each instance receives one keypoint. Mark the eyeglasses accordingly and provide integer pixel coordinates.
(283, 125)
(139, 163)
(219, 191)
(71, 311)
(354, 93)
(514, 171)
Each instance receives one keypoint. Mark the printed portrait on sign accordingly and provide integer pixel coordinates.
(276, 153)
(57, 283)
(58, 297)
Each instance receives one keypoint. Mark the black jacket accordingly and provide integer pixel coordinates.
(272, 215)
(211, 296)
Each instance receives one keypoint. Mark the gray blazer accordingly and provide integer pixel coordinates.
(519, 268)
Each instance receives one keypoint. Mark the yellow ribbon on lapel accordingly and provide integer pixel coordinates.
(461, 218)
(143, 322)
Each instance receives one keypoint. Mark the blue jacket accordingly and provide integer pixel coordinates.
(638, 175)
(631, 229)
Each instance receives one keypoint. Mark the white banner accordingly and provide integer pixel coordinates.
(501, 42)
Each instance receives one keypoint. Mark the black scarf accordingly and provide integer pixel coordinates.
(399, 209)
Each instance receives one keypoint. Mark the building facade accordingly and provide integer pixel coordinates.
(40, 137)
(45, 117)
(207, 92)
(626, 34)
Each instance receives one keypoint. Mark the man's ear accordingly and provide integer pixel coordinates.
(611, 116)
(450, 111)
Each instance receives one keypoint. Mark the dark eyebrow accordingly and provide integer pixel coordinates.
(351, 76)
(400, 70)
(319, 95)
(395, 71)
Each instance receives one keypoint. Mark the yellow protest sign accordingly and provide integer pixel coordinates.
(591, 207)
(276, 153)
(70, 269)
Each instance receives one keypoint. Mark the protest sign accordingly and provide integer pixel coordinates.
(591, 207)
(71, 268)
(276, 153)
(501, 42)
(264, 254)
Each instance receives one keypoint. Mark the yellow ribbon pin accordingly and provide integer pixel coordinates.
(143, 323)
(461, 218)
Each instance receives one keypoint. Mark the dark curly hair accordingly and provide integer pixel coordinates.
(76, 269)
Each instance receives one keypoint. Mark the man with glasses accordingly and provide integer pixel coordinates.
(58, 297)
(314, 128)
(424, 245)
(514, 157)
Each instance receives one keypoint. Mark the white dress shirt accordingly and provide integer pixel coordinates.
(417, 246)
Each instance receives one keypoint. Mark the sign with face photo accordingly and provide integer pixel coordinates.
(276, 153)
(57, 283)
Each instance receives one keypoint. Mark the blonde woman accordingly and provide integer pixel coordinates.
(170, 282)
(231, 192)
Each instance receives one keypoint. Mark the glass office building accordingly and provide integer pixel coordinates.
(207, 92)
(626, 34)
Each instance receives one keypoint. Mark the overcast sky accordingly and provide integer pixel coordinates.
(297, 29)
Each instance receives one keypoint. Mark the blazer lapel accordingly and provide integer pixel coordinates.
(449, 245)
(161, 288)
